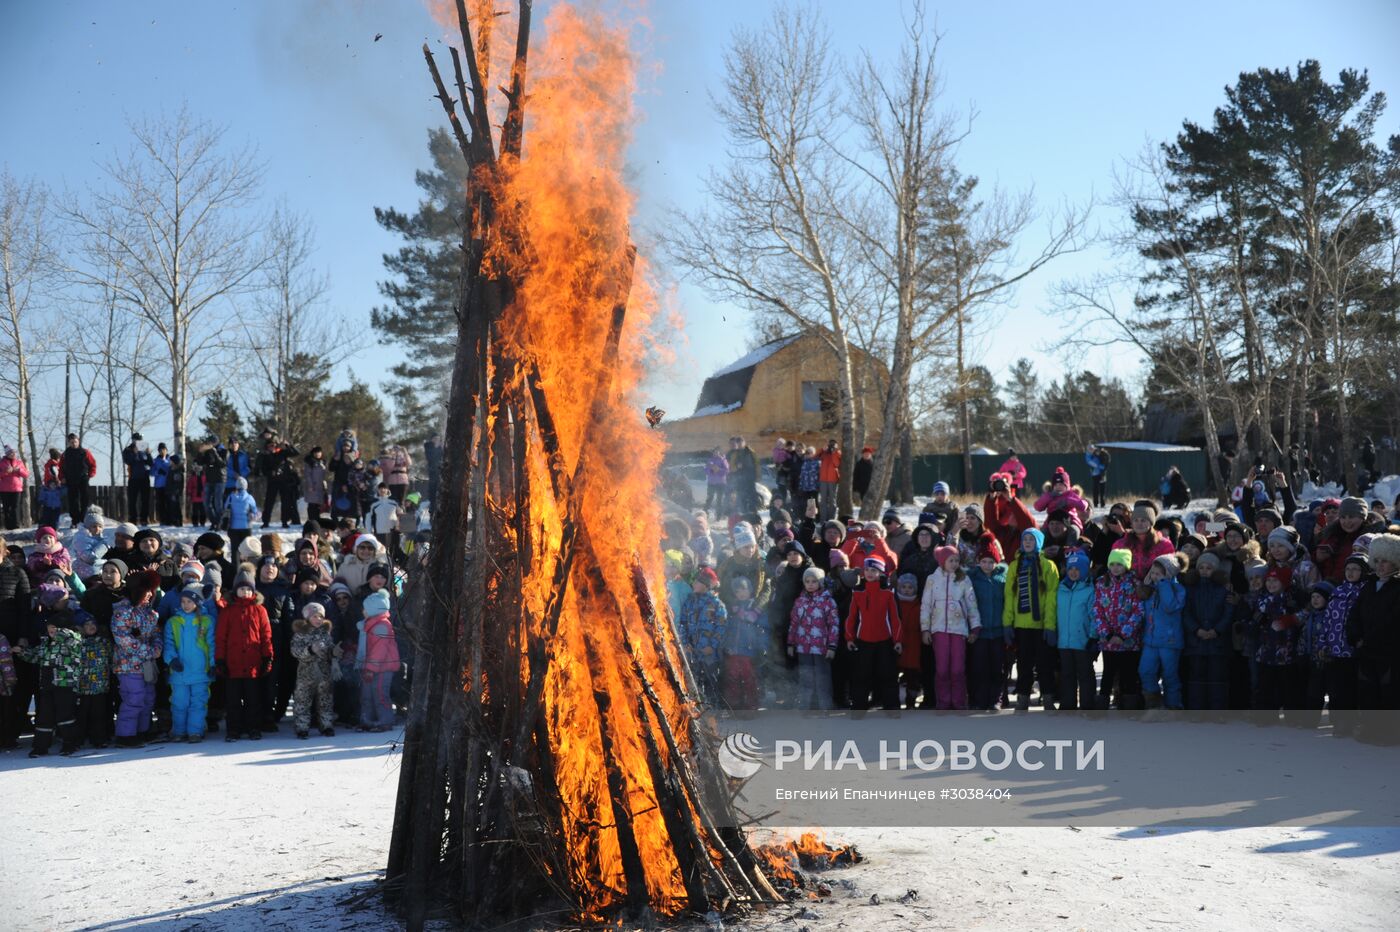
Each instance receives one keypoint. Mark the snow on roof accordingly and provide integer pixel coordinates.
(754, 358)
(983, 451)
(1149, 447)
(710, 411)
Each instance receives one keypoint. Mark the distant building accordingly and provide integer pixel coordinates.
(785, 388)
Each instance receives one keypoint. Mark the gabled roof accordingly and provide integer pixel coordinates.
(728, 388)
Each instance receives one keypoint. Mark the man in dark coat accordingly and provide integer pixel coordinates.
(15, 624)
(76, 470)
(136, 457)
(1374, 628)
(860, 476)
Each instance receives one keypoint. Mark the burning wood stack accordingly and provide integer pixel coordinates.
(553, 760)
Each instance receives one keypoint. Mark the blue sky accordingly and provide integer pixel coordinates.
(1063, 91)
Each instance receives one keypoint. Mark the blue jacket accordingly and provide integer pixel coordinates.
(1074, 613)
(1162, 615)
(169, 605)
(241, 508)
(991, 597)
(1206, 608)
(138, 461)
(160, 471)
(190, 638)
(1096, 466)
(238, 465)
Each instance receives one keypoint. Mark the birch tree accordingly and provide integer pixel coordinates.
(174, 220)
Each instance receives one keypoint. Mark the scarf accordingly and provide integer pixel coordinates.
(1028, 584)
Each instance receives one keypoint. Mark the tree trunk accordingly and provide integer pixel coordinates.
(896, 395)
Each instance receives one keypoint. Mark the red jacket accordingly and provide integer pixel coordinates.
(853, 550)
(243, 638)
(1007, 519)
(53, 470)
(830, 470)
(91, 467)
(874, 615)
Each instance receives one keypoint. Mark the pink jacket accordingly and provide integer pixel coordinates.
(1070, 501)
(1144, 552)
(381, 647)
(1017, 470)
(13, 472)
(815, 625)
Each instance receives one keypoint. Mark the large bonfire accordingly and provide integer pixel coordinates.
(553, 759)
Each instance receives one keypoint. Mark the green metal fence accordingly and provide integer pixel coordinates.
(1131, 472)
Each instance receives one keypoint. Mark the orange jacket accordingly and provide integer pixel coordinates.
(830, 466)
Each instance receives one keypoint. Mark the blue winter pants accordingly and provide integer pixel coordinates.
(1164, 664)
(375, 710)
(189, 704)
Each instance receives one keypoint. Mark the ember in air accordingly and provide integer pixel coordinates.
(960, 754)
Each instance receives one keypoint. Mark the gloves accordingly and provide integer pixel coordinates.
(266, 667)
(177, 665)
(1051, 637)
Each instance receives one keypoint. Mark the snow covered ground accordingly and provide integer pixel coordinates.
(280, 834)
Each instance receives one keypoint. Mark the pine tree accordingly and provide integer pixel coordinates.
(221, 420)
(1022, 394)
(423, 285)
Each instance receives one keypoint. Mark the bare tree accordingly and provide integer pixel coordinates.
(174, 224)
(772, 239)
(28, 271)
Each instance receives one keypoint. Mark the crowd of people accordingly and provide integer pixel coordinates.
(1272, 607)
(126, 635)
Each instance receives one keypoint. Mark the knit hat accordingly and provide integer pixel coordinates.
(305, 574)
(777, 514)
(376, 603)
(127, 529)
(889, 515)
(379, 569)
(987, 547)
(941, 554)
(242, 484)
(1353, 507)
(907, 579)
(743, 536)
(1060, 475)
(313, 608)
(1197, 539)
(708, 577)
(1035, 535)
(50, 594)
(46, 532)
(790, 546)
(1121, 557)
(1059, 514)
(784, 536)
(1361, 560)
(1270, 514)
(337, 588)
(1323, 588)
(1362, 544)
(1144, 509)
(813, 572)
(1385, 547)
(363, 539)
(192, 568)
(1208, 563)
(194, 593)
(244, 578)
(1255, 568)
(1283, 574)
(210, 539)
(92, 519)
(1078, 559)
(941, 486)
(838, 558)
(305, 543)
(1169, 564)
(975, 510)
(118, 564)
(1283, 535)
(833, 523)
(875, 563)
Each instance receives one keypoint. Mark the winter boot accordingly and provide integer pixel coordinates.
(303, 735)
(328, 732)
(1023, 702)
(1155, 712)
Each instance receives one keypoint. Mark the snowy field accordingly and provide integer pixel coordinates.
(280, 834)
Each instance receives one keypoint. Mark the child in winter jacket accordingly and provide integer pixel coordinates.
(378, 661)
(1031, 586)
(89, 546)
(189, 653)
(1164, 599)
(1206, 623)
(1276, 639)
(702, 624)
(1118, 625)
(136, 632)
(48, 554)
(872, 639)
(1334, 655)
(812, 639)
(949, 621)
(1075, 634)
(746, 638)
(243, 655)
(315, 651)
(94, 684)
(59, 657)
(384, 517)
(911, 660)
(986, 655)
(1060, 493)
(676, 587)
(1307, 673)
